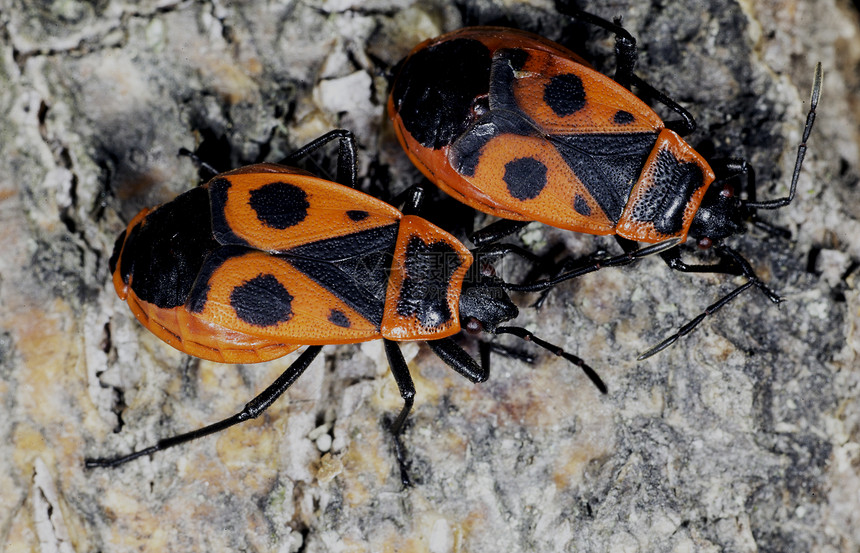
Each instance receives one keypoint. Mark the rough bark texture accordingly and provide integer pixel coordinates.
(742, 437)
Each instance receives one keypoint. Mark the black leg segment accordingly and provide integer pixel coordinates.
(557, 350)
(400, 371)
(202, 165)
(684, 126)
(731, 263)
(688, 327)
(252, 409)
(496, 231)
(346, 155)
(625, 45)
(626, 55)
(412, 199)
(596, 265)
(456, 357)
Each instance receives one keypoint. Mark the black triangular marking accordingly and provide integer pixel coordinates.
(355, 267)
(607, 164)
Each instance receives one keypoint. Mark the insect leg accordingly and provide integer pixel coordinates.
(456, 357)
(566, 265)
(596, 265)
(731, 263)
(543, 264)
(741, 170)
(557, 350)
(496, 231)
(487, 348)
(684, 126)
(625, 45)
(411, 199)
(626, 55)
(346, 155)
(492, 252)
(202, 165)
(453, 355)
(736, 168)
(400, 371)
(688, 327)
(672, 257)
(252, 409)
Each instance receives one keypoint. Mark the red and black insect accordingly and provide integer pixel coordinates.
(265, 259)
(519, 127)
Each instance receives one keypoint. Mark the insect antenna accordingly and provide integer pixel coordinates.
(557, 350)
(746, 270)
(801, 148)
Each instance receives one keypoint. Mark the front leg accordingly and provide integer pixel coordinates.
(725, 265)
(731, 263)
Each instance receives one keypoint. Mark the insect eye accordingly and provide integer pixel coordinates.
(705, 243)
(474, 326)
(728, 191)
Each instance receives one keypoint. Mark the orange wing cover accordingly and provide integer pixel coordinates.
(531, 132)
(258, 262)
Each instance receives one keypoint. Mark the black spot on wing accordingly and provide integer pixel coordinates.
(262, 301)
(280, 205)
(525, 177)
(339, 318)
(164, 253)
(564, 94)
(436, 87)
(623, 117)
(607, 164)
(428, 272)
(674, 184)
(357, 215)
